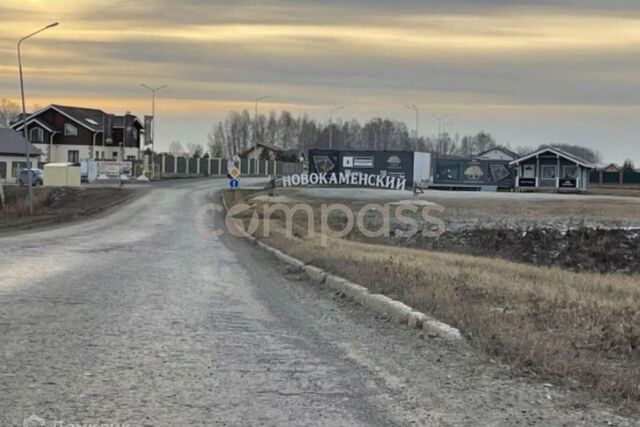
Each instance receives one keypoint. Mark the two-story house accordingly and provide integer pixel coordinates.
(72, 134)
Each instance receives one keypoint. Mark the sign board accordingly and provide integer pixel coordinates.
(234, 172)
(527, 182)
(234, 183)
(114, 168)
(397, 182)
(568, 183)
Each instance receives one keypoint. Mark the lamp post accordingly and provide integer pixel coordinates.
(24, 113)
(414, 108)
(255, 119)
(331, 126)
(153, 123)
(440, 119)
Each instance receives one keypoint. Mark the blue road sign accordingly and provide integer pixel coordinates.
(234, 183)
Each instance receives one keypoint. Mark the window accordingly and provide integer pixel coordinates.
(36, 135)
(115, 155)
(570, 172)
(73, 156)
(549, 172)
(70, 130)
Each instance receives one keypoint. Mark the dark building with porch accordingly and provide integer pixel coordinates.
(551, 169)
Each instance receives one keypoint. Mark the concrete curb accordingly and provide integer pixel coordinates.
(378, 303)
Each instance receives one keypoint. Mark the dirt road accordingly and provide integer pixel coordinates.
(136, 318)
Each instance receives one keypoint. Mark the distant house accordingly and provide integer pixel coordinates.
(262, 151)
(72, 134)
(13, 154)
(497, 153)
(550, 168)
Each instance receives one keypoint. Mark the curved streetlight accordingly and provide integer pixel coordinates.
(24, 112)
(440, 120)
(331, 126)
(414, 108)
(153, 91)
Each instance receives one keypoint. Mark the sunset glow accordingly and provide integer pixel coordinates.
(527, 74)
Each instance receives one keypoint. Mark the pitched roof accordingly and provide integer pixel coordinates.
(11, 142)
(557, 152)
(90, 118)
(503, 149)
(265, 145)
(39, 120)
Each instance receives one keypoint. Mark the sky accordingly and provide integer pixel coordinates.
(530, 72)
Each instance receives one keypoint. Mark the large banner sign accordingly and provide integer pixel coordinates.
(351, 179)
(109, 168)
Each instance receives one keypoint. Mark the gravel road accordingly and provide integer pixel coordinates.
(136, 318)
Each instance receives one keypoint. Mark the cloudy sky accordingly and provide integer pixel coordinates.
(532, 72)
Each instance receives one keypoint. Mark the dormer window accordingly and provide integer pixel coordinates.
(70, 130)
(36, 136)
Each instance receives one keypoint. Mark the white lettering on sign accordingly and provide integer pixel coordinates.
(356, 179)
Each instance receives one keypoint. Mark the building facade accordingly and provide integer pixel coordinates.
(13, 149)
(73, 134)
(552, 169)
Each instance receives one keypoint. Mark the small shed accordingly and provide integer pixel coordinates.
(62, 175)
(550, 168)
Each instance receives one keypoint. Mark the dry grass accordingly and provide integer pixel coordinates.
(582, 329)
(577, 209)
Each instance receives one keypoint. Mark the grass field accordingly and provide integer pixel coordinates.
(577, 328)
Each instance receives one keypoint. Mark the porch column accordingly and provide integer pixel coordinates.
(558, 174)
(537, 171)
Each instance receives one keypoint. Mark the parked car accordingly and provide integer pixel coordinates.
(37, 177)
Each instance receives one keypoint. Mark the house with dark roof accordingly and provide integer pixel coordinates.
(13, 149)
(551, 168)
(262, 151)
(72, 134)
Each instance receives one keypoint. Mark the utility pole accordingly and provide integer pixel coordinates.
(153, 123)
(255, 120)
(414, 108)
(331, 126)
(24, 114)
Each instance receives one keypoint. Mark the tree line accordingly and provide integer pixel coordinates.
(296, 135)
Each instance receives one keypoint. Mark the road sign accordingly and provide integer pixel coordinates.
(234, 172)
(234, 183)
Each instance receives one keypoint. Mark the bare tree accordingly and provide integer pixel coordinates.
(176, 148)
(195, 150)
(9, 110)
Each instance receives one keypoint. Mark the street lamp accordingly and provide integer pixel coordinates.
(414, 108)
(255, 119)
(331, 126)
(440, 119)
(24, 113)
(153, 123)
